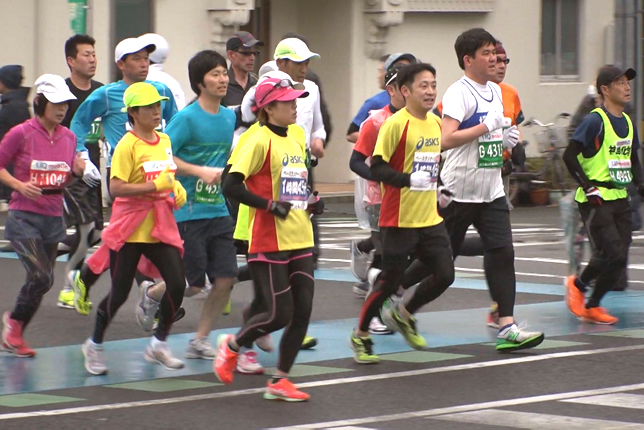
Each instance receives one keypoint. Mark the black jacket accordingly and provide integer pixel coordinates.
(14, 109)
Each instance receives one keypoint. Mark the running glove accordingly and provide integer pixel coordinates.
(315, 205)
(91, 175)
(444, 197)
(279, 209)
(511, 137)
(594, 196)
(420, 179)
(180, 195)
(493, 120)
(165, 180)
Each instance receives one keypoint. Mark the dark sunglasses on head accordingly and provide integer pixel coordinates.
(502, 60)
(248, 53)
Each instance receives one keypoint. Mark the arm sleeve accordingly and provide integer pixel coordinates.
(572, 163)
(10, 145)
(94, 106)
(178, 132)
(383, 172)
(122, 163)
(636, 166)
(318, 123)
(455, 103)
(519, 111)
(357, 164)
(235, 189)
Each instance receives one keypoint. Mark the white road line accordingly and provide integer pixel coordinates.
(538, 275)
(531, 420)
(368, 378)
(620, 400)
(467, 408)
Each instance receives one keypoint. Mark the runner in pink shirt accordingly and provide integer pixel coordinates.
(43, 155)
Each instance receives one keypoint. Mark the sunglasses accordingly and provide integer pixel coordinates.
(506, 61)
(284, 83)
(248, 53)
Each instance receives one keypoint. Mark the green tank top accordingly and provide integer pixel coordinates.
(612, 163)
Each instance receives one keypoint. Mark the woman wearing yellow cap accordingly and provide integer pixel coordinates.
(142, 225)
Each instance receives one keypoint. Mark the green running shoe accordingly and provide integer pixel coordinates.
(309, 342)
(66, 299)
(515, 339)
(392, 318)
(82, 305)
(227, 308)
(363, 350)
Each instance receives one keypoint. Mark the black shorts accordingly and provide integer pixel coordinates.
(423, 242)
(84, 204)
(208, 249)
(23, 225)
(492, 220)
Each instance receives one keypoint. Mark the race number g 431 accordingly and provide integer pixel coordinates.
(491, 150)
(50, 175)
(293, 186)
(428, 162)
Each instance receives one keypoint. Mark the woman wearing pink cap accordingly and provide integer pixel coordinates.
(42, 152)
(273, 169)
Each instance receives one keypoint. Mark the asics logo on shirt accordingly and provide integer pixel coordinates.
(293, 159)
(428, 141)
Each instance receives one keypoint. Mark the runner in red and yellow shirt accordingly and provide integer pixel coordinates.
(270, 177)
(406, 160)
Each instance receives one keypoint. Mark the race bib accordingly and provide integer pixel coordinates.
(95, 132)
(428, 162)
(293, 186)
(209, 194)
(49, 175)
(491, 150)
(152, 170)
(620, 172)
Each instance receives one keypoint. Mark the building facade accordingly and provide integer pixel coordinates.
(555, 46)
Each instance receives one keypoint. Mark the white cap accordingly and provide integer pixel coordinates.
(160, 54)
(269, 66)
(54, 88)
(132, 45)
(275, 74)
(293, 49)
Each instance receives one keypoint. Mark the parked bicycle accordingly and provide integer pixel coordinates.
(552, 140)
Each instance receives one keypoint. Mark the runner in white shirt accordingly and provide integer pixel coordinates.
(156, 73)
(474, 136)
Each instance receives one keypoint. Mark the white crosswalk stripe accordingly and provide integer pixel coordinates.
(618, 400)
(528, 420)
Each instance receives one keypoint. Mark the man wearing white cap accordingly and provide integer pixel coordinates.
(132, 59)
(156, 72)
(43, 155)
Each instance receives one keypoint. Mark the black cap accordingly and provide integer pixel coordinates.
(392, 73)
(11, 76)
(609, 73)
(242, 38)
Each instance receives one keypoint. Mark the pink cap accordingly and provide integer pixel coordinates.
(271, 90)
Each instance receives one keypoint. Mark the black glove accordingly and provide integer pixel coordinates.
(279, 209)
(594, 196)
(640, 189)
(316, 204)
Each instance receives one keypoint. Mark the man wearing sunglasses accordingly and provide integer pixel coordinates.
(242, 52)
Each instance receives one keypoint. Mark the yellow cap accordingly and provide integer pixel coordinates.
(141, 94)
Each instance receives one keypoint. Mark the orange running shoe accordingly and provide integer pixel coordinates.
(284, 390)
(598, 315)
(226, 360)
(575, 299)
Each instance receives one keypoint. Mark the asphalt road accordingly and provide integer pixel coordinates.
(583, 376)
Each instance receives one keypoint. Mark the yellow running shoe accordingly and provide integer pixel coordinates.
(82, 305)
(66, 299)
(227, 308)
(309, 342)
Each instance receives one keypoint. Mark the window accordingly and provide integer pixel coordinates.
(559, 39)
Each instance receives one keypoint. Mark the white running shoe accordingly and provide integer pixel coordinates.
(161, 354)
(146, 307)
(201, 348)
(359, 261)
(265, 343)
(378, 328)
(94, 360)
(247, 363)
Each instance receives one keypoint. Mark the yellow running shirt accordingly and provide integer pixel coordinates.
(137, 161)
(275, 169)
(410, 144)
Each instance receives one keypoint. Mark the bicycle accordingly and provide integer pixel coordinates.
(552, 141)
